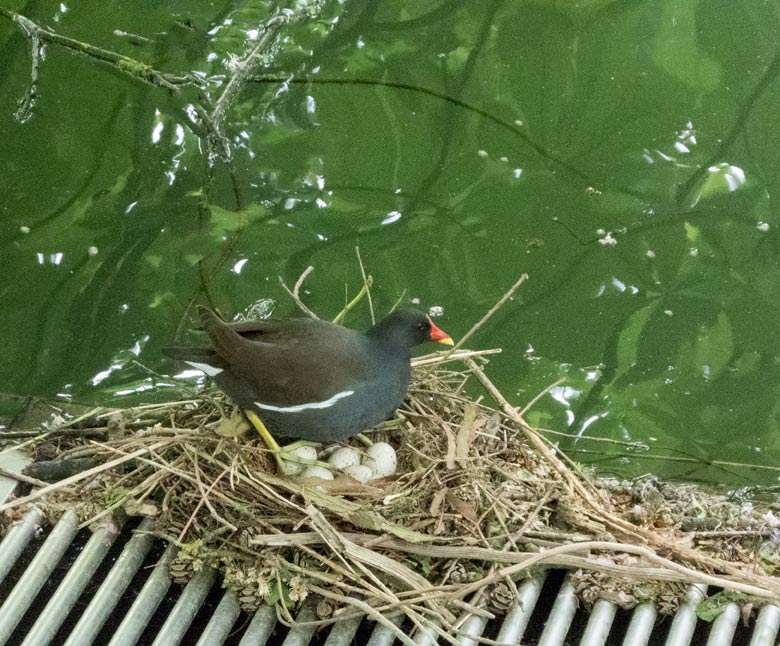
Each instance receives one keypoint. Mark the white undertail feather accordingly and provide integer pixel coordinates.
(211, 371)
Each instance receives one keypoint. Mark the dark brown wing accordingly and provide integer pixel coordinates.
(257, 327)
(289, 362)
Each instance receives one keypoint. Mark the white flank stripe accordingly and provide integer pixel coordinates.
(309, 406)
(211, 371)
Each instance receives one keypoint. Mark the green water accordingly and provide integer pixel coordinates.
(623, 154)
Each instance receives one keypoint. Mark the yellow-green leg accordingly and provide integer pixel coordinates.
(389, 425)
(281, 454)
(364, 439)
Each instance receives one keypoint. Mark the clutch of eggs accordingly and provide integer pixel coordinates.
(379, 461)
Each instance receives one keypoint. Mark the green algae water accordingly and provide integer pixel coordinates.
(624, 155)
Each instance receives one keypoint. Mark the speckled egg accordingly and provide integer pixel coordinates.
(317, 472)
(360, 472)
(381, 458)
(344, 457)
(292, 468)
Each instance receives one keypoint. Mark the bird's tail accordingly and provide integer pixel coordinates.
(225, 341)
(190, 353)
(208, 359)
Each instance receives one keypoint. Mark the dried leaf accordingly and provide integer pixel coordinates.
(464, 508)
(233, 426)
(466, 433)
(451, 448)
(437, 500)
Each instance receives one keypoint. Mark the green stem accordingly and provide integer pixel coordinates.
(340, 316)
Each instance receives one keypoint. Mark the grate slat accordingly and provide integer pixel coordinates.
(145, 604)
(516, 621)
(382, 635)
(72, 586)
(221, 622)
(187, 606)
(299, 634)
(599, 624)
(561, 615)
(17, 538)
(641, 626)
(684, 623)
(343, 632)
(111, 590)
(722, 631)
(767, 626)
(425, 636)
(472, 630)
(36, 574)
(260, 628)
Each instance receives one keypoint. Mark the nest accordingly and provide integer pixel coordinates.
(481, 501)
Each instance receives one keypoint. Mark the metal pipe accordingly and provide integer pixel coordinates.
(516, 621)
(221, 622)
(343, 632)
(300, 634)
(560, 618)
(17, 538)
(599, 624)
(147, 601)
(724, 626)
(71, 587)
(684, 623)
(36, 574)
(641, 626)
(112, 589)
(384, 636)
(767, 626)
(260, 628)
(190, 601)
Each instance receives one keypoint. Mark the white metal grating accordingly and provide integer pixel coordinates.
(78, 611)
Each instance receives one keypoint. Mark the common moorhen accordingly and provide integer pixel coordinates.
(311, 379)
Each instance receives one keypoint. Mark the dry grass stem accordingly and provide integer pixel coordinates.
(462, 341)
(295, 292)
(366, 285)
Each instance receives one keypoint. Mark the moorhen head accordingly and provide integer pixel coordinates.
(312, 379)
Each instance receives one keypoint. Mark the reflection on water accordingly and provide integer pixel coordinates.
(623, 156)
